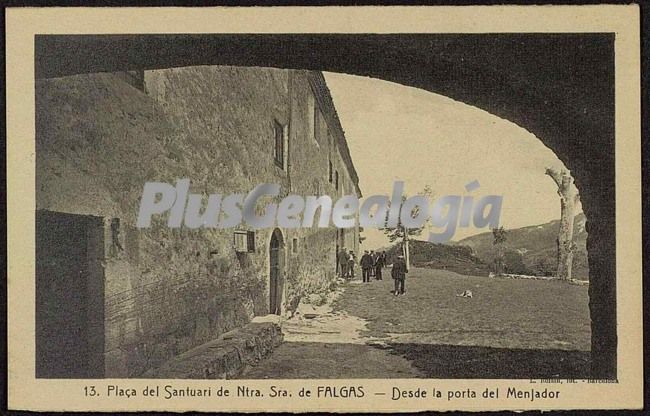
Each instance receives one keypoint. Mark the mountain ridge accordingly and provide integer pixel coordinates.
(536, 245)
(530, 250)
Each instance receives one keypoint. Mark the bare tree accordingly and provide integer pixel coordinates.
(402, 232)
(569, 197)
(500, 236)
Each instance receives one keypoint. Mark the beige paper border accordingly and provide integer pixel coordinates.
(26, 392)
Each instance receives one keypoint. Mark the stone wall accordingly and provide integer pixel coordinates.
(100, 138)
(224, 357)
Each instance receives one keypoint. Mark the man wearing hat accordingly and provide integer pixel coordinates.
(380, 262)
(366, 264)
(373, 257)
(342, 260)
(399, 275)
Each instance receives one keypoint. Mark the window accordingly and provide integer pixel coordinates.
(294, 245)
(317, 188)
(278, 154)
(251, 240)
(336, 180)
(330, 171)
(244, 241)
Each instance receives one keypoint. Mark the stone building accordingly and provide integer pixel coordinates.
(114, 300)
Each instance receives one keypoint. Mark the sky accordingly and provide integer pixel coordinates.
(396, 132)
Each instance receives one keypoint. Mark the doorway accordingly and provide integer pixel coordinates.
(69, 295)
(276, 257)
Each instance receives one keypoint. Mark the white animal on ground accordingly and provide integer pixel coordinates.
(465, 294)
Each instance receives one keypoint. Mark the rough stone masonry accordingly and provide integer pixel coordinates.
(100, 137)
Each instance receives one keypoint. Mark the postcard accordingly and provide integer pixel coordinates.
(343, 209)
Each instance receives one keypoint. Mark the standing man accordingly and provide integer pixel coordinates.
(379, 264)
(366, 265)
(350, 269)
(342, 259)
(399, 274)
(371, 273)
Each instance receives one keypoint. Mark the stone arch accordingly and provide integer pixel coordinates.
(560, 87)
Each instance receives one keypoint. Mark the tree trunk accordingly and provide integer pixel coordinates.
(498, 261)
(407, 256)
(568, 197)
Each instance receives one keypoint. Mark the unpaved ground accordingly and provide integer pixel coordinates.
(323, 343)
(511, 328)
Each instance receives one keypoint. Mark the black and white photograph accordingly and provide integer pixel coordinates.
(322, 206)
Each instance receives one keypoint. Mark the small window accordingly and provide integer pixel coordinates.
(317, 188)
(244, 241)
(278, 154)
(294, 245)
(330, 171)
(336, 180)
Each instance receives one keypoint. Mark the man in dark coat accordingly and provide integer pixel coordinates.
(379, 264)
(366, 265)
(343, 262)
(399, 274)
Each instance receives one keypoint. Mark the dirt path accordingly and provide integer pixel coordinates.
(320, 342)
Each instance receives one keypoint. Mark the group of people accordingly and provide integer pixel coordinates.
(345, 261)
(371, 264)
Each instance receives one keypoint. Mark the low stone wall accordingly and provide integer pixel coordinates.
(225, 357)
(523, 276)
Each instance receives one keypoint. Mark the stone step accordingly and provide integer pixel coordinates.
(224, 357)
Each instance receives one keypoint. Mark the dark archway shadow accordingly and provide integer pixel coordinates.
(457, 361)
(324, 360)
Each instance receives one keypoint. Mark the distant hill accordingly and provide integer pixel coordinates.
(533, 250)
(529, 250)
(458, 259)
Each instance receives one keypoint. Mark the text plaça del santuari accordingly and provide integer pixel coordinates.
(169, 391)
